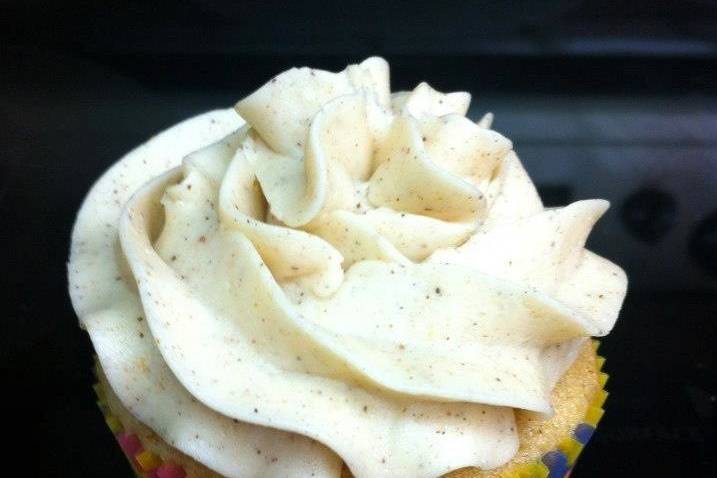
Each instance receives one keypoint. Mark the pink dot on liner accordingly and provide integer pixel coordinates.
(170, 470)
(129, 443)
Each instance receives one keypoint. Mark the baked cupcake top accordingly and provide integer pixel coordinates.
(336, 273)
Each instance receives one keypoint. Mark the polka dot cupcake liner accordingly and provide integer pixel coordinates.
(557, 463)
(145, 463)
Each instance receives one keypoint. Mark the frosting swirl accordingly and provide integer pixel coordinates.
(371, 271)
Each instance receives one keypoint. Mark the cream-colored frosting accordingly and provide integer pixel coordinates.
(370, 271)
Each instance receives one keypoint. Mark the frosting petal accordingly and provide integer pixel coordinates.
(424, 101)
(251, 387)
(417, 236)
(287, 252)
(338, 151)
(104, 297)
(282, 109)
(546, 251)
(511, 194)
(354, 237)
(407, 180)
(463, 148)
(434, 332)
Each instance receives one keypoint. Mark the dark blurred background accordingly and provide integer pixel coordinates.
(601, 98)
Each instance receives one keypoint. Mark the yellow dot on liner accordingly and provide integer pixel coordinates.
(540, 470)
(103, 407)
(599, 399)
(602, 378)
(530, 470)
(600, 362)
(99, 391)
(593, 416)
(571, 448)
(114, 424)
(148, 460)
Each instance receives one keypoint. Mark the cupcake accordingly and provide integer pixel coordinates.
(333, 280)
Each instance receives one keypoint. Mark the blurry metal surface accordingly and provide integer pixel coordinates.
(616, 148)
(256, 27)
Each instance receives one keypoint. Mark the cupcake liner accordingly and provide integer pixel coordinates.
(144, 463)
(557, 463)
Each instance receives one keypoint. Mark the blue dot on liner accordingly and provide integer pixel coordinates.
(583, 433)
(557, 464)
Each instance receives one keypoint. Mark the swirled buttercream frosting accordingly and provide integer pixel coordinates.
(331, 272)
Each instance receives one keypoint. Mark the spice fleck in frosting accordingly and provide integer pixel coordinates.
(332, 272)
